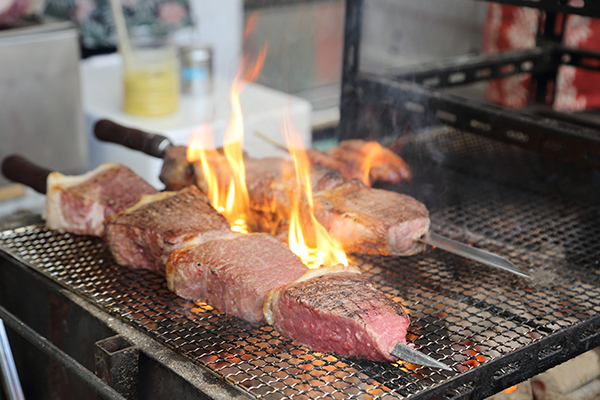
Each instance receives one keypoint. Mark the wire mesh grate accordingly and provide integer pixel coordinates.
(468, 316)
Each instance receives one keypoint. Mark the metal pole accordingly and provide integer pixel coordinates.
(10, 377)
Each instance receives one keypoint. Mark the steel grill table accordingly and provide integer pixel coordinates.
(492, 328)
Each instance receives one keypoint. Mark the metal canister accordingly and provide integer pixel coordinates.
(196, 69)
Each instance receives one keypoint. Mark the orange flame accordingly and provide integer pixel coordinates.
(228, 192)
(201, 148)
(307, 238)
(510, 389)
(373, 151)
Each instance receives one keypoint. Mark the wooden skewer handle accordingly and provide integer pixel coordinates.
(149, 143)
(19, 169)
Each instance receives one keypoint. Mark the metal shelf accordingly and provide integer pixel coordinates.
(590, 8)
(413, 97)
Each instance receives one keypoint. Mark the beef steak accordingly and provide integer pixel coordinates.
(338, 310)
(144, 235)
(234, 275)
(81, 204)
(372, 221)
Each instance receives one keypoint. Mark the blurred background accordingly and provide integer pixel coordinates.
(59, 70)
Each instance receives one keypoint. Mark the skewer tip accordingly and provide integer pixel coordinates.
(408, 354)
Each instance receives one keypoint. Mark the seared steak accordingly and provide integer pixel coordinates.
(369, 221)
(372, 221)
(350, 156)
(81, 204)
(337, 310)
(144, 235)
(233, 275)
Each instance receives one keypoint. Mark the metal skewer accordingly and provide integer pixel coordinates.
(271, 140)
(470, 252)
(10, 377)
(408, 354)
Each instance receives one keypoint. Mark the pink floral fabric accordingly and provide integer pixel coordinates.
(96, 23)
(12, 11)
(514, 28)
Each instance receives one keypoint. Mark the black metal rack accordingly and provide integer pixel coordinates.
(413, 98)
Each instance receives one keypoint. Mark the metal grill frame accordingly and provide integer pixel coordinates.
(374, 106)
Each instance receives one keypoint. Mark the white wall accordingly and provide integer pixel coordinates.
(220, 23)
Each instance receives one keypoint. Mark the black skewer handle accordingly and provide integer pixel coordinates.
(149, 143)
(19, 169)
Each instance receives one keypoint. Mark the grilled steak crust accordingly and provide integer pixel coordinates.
(342, 313)
(372, 221)
(144, 235)
(81, 204)
(233, 275)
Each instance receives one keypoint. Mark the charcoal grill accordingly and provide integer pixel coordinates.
(492, 328)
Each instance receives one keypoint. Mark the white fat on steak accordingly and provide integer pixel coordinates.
(81, 204)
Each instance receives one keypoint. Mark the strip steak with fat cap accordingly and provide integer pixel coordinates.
(339, 311)
(81, 204)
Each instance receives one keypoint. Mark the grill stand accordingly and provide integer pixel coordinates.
(162, 373)
(117, 363)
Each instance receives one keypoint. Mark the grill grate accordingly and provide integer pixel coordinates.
(482, 322)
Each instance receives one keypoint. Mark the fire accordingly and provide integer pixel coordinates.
(377, 156)
(468, 349)
(373, 149)
(201, 148)
(229, 197)
(308, 239)
(225, 176)
(510, 389)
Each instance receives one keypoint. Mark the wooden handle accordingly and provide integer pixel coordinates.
(149, 143)
(19, 169)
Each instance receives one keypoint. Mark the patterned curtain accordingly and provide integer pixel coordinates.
(514, 28)
(96, 22)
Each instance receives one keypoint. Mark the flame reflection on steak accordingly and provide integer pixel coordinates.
(308, 239)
